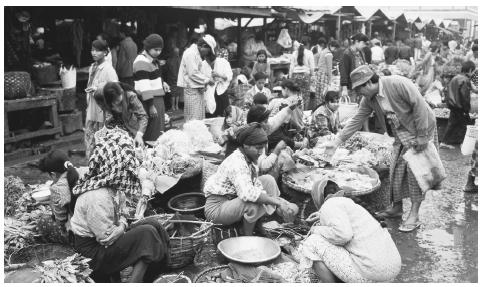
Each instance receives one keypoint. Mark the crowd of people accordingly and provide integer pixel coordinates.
(263, 126)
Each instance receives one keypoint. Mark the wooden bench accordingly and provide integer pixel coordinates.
(49, 102)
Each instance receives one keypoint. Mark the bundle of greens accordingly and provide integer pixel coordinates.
(73, 269)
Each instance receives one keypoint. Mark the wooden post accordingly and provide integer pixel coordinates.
(370, 29)
(264, 29)
(394, 31)
(239, 46)
(338, 27)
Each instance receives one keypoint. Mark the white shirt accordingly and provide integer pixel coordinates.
(190, 73)
(377, 54)
(309, 63)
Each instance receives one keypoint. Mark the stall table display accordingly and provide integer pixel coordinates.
(48, 102)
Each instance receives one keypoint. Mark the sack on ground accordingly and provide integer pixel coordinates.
(471, 137)
(426, 166)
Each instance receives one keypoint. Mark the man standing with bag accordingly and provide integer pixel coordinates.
(413, 123)
(192, 78)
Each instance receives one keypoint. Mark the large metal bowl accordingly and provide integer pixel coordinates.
(249, 249)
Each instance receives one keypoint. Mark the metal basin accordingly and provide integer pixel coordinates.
(249, 249)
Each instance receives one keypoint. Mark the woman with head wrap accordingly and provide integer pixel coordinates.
(100, 73)
(235, 192)
(99, 222)
(348, 244)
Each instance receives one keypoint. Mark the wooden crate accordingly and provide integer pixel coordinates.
(66, 98)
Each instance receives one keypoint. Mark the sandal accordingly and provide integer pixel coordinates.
(385, 214)
(405, 227)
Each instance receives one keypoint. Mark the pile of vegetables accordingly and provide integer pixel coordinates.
(290, 272)
(18, 235)
(360, 146)
(13, 190)
(73, 269)
(200, 136)
(20, 226)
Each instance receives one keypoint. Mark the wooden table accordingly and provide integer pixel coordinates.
(49, 102)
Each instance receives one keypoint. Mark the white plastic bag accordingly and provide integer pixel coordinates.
(68, 77)
(284, 39)
(210, 99)
(346, 109)
(474, 103)
(434, 97)
(426, 166)
(471, 137)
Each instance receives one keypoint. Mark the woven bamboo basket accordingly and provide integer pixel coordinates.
(286, 180)
(183, 250)
(36, 254)
(203, 276)
(18, 85)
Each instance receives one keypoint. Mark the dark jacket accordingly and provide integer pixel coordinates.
(134, 117)
(391, 54)
(351, 59)
(459, 93)
(405, 52)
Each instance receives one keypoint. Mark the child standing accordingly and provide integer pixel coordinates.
(259, 87)
(261, 65)
(148, 81)
(100, 73)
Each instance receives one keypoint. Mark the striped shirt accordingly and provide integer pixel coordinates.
(147, 76)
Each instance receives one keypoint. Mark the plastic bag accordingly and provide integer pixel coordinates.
(346, 109)
(284, 39)
(426, 166)
(210, 99)
(474, 103)
(434, 98)
(471, 137)
(68, 77)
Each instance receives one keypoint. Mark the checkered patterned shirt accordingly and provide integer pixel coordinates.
(235, 176)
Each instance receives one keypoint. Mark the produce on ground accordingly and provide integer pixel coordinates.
(200, 136)
(14, 188)
(73, 269)
(290, 272)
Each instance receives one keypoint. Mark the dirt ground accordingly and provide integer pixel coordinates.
(443, 249)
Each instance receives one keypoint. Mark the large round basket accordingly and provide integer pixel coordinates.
(289, 183)
(183, 250)
(206, 275)
(36, 254)
(17, 85)
(173, 278)
(188, 203)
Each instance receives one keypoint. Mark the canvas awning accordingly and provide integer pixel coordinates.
(243, 11)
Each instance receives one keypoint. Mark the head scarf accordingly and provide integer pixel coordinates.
(113, 163)
(252, 134)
